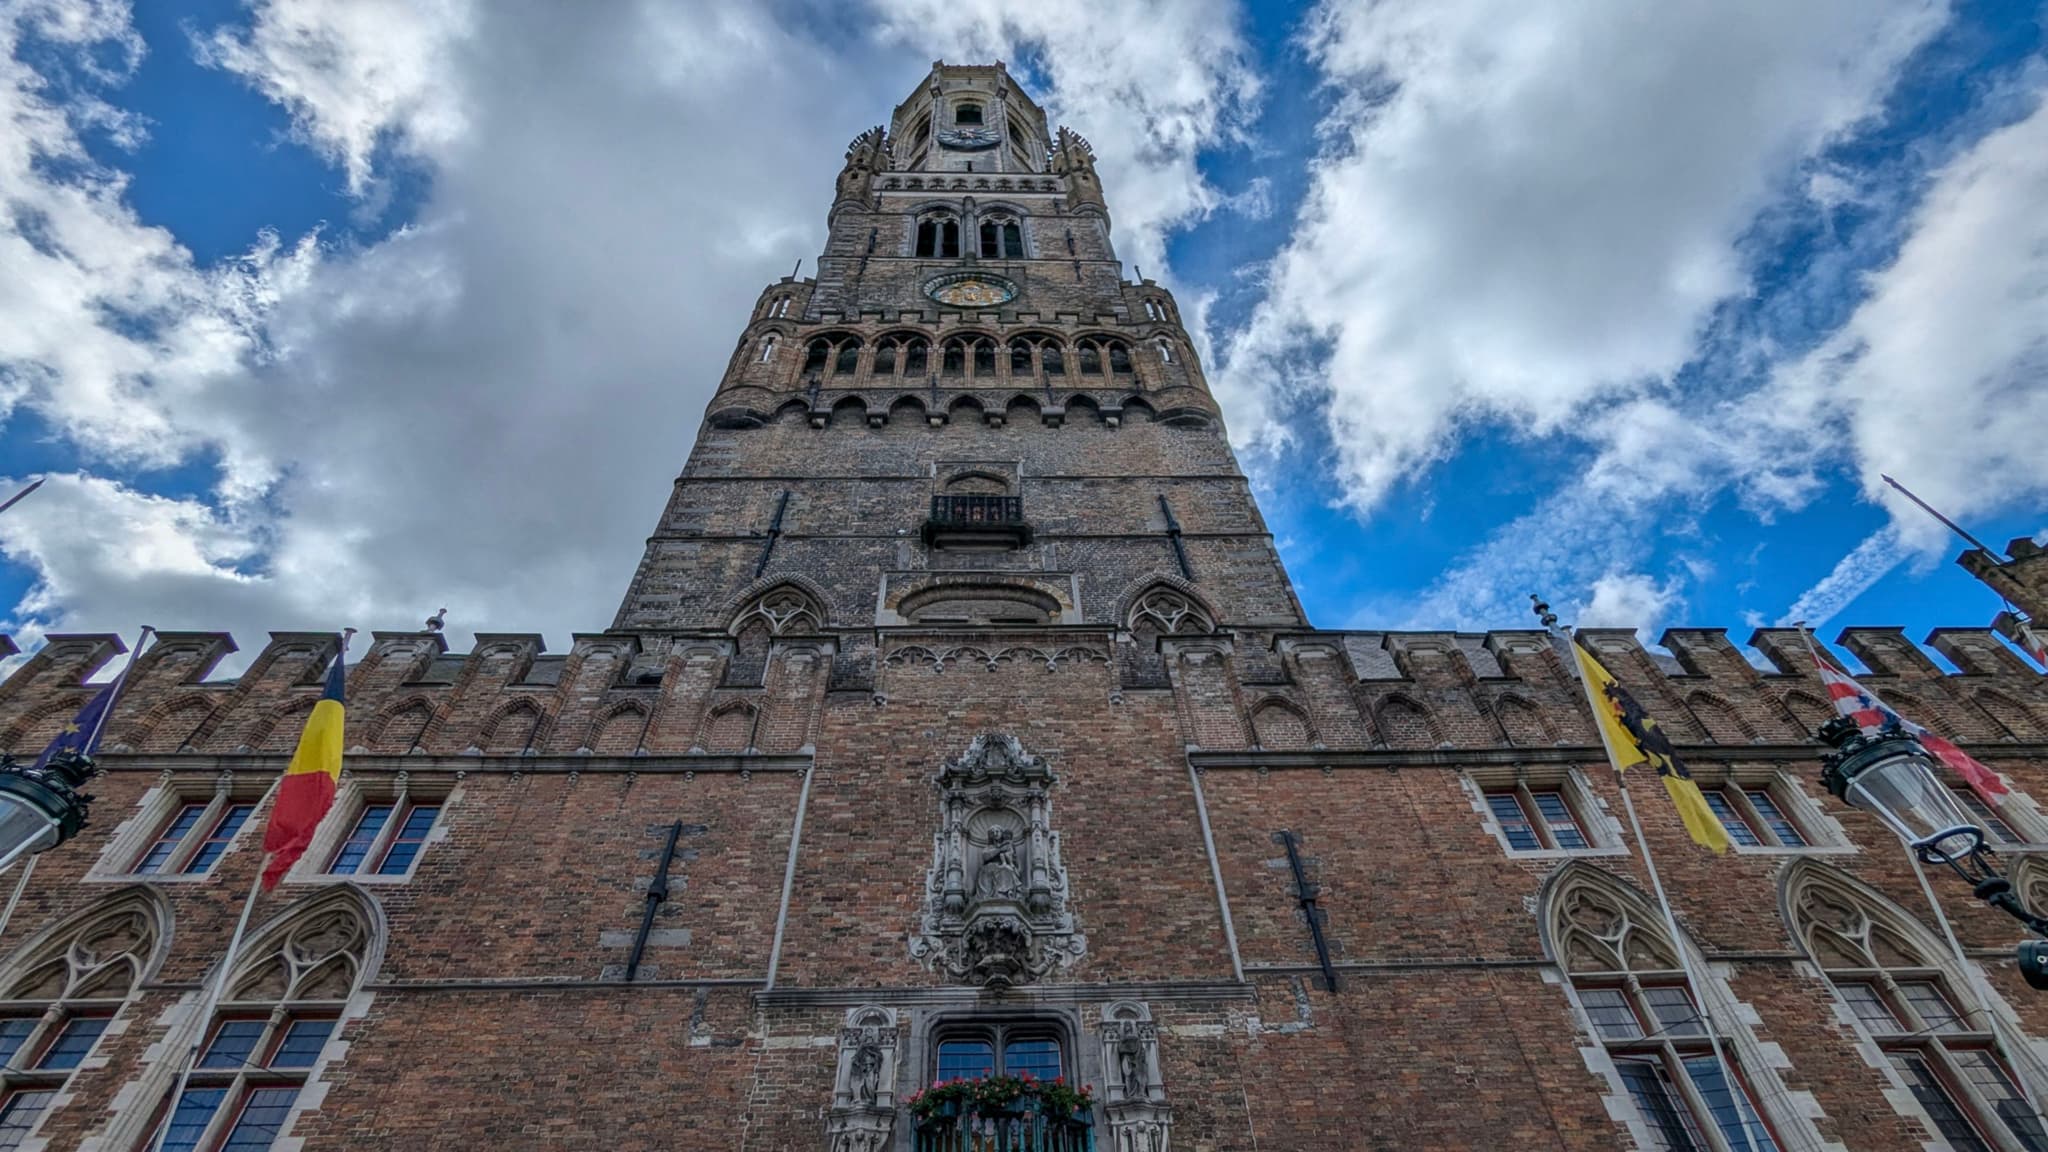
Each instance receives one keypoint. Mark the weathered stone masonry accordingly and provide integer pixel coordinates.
(972, 677)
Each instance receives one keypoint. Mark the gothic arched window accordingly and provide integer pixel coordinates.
(1020, 357)
(1052, 358)
(848, 358)
(1626, 975)
(1119, 358)
(816, 354)
(61, 995)
(1091, 358)
(780, 307)
(1166, 351)
(885, 357)
(1152, 309)
(984, 357)
(914, 358)
(938, 235)
(768, 344)
(1002, 238)
(283, 1004)
(954, 360)
(1897, 982)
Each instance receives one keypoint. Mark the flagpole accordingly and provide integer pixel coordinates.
(20, 885)
(1979, 987)
(99, 723)
(1698, 988)
(212, 1001)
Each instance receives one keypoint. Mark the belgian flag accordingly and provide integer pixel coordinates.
(307, 790)
(1633, 737)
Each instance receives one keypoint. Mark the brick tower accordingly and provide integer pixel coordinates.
(960, 722)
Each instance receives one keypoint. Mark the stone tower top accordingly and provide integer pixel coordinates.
(969, 118)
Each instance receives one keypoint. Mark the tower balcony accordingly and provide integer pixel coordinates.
(977, 522)
(993, 1130)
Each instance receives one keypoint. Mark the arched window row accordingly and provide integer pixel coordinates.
(967, 356)
(1002, 238)
(938, 235)
(963, 184)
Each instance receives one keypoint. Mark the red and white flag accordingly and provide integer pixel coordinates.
(1874, 716)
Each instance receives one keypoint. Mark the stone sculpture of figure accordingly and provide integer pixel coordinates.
(867, 1074)
(999, 877)
(1130, 1066)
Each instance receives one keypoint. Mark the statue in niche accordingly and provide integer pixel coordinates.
(867, 1074)
(999, 877)
(1130, 1067)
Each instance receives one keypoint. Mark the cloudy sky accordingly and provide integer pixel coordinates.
(326, 312)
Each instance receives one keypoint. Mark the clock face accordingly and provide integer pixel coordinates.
(969, 139)
(971, 290)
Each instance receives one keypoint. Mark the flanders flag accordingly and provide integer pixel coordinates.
(307, 790)
(1633, 738)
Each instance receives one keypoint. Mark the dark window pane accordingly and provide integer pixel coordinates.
(966, 1059)
(260, 1120)
(233, 1043)
(815, 354)
(1674, 1011)
(1869, 1007)
(1671, 1123)
(1119, 358)
(1613, 1019)
(848, 359)
(1514, 823)
(217, 841)
(985, 358)
(1933, 1008)
(1933, 1096)
(1020, 357)
(73, 1041)
(18, 1115)
(1724, 1105)
(1013, 242)
(412, 836)
(967, 114)
(1039, 1058)
(1988, 1077)
(991, 240)
(188, 1123)
(302, 1042)
(1091, 360)
(955, 358)
(1564, 827)
(1730, 817)
(360, 838)
(1054, 359)
(885, 358)
(949, 238)
(1782, 827)
(13, 1031)
(913, 359)
(167, 842)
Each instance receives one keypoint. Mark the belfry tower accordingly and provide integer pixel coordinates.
(960, 727)
(970, 419)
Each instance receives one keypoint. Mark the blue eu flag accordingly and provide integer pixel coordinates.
(82, 735)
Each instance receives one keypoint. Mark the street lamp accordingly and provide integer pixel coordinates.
(41, 805)
(1890, 776)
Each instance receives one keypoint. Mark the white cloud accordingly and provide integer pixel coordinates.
(1526, 210)
(1630, 600)
(486, 408)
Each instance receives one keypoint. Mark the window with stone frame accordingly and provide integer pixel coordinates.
(965, 1051)
(1766, 812)
(61, 997)
(2014, 824)
(1537, 812)
(283, 1007)
(1895, 982)
(378, 830)
(1628, 983)
(184, 829)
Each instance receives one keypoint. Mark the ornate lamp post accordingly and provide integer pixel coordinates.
(41, 806)
(1890, 776)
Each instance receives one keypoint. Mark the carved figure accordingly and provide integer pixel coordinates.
(867, 1074)
(1130, 1064)
(999, 878)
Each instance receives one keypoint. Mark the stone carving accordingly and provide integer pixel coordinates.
(995, 909)
(863, 1114)
(1135, 1112)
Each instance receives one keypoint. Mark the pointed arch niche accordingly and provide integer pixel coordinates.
(1934, 1029)
(294, 987)
(1628, 992)
(66, 988)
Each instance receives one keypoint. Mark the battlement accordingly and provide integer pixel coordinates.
(678, 693)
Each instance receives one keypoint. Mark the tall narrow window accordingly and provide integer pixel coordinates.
(781, 307)
(1119, 359)
(885, 358)
(282, 1007)
(984, 358)
(1166, 352)
(768, 344)
(1629, 982)
(914, 358)
(954, 361)
(1053, 358)
(1013, 240)
(1020, 357)
(991, 240)
(1091, 358)
(927, 237)
(847, 360)
(1940, 1043)
(816, 354)
(949, 238)
(67, 992)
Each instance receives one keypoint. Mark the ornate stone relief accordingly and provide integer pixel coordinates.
(1134, 1104)
(992, 658)
(863, 1112)
(995, 909)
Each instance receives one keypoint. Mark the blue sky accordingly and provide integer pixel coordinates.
(334, 306)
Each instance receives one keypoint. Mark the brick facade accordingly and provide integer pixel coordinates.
(812, 638)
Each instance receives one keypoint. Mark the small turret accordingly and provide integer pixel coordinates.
(1075, 160)
(868, 154)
